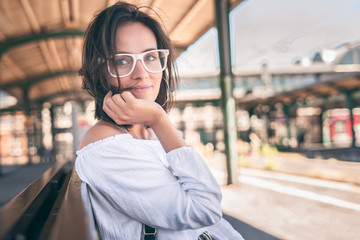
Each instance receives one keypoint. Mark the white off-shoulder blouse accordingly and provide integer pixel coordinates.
(131, 182)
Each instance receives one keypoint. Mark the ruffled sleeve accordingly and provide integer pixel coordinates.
(130, 174)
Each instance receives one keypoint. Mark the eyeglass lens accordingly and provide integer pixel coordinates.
(154, 61)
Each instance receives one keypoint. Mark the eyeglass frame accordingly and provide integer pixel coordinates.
(136, 57)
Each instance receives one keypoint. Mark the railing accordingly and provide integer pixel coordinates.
(52, 207)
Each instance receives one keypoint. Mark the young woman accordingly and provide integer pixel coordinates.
(142, 180)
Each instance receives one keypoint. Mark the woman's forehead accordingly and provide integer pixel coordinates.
(134, 38)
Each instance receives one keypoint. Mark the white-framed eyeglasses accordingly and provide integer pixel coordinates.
(123, 64)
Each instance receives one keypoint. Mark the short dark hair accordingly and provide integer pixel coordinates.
(99, 44)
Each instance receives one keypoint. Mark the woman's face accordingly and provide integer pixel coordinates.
(135, 38)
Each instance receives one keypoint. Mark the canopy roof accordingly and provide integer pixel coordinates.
(41, 41)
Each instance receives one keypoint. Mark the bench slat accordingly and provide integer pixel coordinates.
(25, 214)
(75, 219)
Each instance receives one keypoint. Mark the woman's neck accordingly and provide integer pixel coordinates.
(139, 131)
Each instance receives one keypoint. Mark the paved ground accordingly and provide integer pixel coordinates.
(298, 164)
(295, 200)
(292, 207)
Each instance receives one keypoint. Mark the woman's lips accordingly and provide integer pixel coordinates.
(140, 89)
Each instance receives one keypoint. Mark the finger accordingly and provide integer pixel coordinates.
(108, 111)
(108, 95)
(113, 111)
(109, 106)
(106, 98)
(118, 99)
(116, 105)
(128, 96)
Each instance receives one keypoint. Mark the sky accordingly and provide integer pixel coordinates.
(278, 32)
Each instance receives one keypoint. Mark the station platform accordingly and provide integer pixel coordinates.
(299, 164)
(292, 197)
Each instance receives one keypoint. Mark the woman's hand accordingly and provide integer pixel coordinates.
(125, 109)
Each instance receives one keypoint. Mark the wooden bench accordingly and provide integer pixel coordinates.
(52, 207)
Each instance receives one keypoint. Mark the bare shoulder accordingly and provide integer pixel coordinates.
(98, 132)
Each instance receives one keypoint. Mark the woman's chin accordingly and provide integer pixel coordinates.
(144, 93)
(145, 97)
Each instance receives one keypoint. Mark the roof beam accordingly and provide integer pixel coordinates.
(28, 82)
(71, 45)
(186, 20)
(154, 3)
(75, 11)
(109, 3)
(324, 79)
(12, 66)
(55, 55)
(4, 25)
(47, 56)
(34, 23)
(65, 11)
(12, 43)
(47, 48)
(2, 36)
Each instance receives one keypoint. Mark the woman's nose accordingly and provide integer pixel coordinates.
(139, 71)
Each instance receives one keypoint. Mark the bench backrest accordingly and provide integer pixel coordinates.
(50, 208)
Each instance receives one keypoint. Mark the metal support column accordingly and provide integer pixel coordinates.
(227, 85)
(53, 133)
(286, 109)
(39, 133)
(76, 131)
(26, 105)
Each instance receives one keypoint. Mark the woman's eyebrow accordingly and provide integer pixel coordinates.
(146, 50)
(150, 49)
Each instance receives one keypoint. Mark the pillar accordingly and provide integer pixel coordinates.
(76, 131)
(227, 85)
(26, 104)
(53, 133)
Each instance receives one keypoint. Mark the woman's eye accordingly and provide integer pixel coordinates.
(121, 62)
(150, 58)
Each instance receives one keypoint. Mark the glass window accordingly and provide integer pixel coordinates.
(317, 57)
(347, 59)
